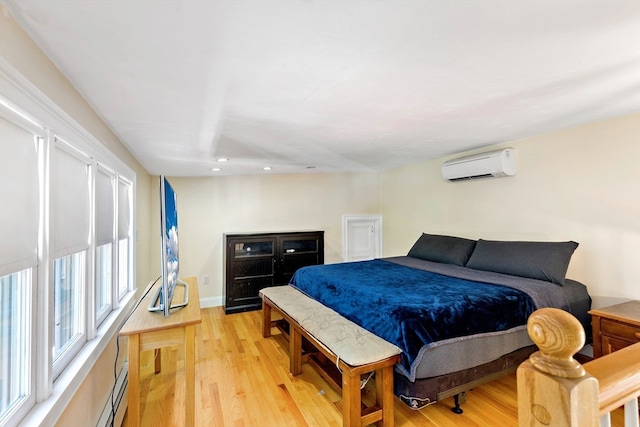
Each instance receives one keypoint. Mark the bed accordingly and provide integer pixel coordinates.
(456, 307)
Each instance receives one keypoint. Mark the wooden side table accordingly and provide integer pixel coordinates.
(615, 327)
(151, 331)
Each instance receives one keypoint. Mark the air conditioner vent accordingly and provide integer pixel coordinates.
(467, 178)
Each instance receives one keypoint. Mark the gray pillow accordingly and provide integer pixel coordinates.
(546, 261)
(444, 249)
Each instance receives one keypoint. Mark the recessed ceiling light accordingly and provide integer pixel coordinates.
(267, 168)
(216, 169)
(222, 159)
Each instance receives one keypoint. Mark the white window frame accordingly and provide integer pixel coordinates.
(100, 314)
(20, 408)
(118, 295)
(9, 112)
(86, 273)
(51, 396)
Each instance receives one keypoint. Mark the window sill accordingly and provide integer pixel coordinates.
(67, 384)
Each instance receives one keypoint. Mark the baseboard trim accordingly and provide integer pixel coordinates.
(210, 302)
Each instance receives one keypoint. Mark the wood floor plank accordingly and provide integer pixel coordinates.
(243, 380)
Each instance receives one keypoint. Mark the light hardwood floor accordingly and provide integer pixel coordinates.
(242, 380)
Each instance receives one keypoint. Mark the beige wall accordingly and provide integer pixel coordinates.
(580, 184)
(209, 207)
(17, 48)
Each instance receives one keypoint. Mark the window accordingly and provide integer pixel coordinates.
(15, 340)
(66, 258)
(123, 267)
(68, 298)
(105, 222)
(20, 144)
(104, 280)
(71, 225)
(124, 241)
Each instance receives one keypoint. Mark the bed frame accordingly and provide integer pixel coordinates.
(308, 347)
(458, 383)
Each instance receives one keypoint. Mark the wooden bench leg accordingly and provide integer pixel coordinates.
(351, 400)
(295, 351)
(266, 320)
(384, 394)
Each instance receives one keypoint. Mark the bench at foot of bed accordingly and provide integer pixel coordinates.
(354, 350)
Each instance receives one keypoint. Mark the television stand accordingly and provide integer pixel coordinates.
(156, 302)
(148, 331)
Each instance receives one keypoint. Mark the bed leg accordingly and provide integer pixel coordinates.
(457, 400)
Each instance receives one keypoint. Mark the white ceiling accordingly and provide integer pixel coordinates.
(331, 86)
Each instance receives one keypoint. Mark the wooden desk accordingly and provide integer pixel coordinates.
(151, 331)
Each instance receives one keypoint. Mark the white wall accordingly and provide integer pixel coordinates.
(580, 184)
(209, 207)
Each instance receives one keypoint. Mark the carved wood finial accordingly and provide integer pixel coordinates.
(559, 336)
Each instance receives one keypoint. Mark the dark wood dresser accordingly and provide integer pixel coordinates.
(615, 327)
(257, 260)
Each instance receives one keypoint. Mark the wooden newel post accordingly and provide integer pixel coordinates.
(553, 388)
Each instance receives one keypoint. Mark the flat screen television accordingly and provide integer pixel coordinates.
(162, 300)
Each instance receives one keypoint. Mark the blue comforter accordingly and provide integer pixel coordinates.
(414, 308)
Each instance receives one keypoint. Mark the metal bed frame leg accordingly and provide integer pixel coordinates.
(458, 398)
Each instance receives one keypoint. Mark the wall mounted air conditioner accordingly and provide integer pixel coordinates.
(485, 165)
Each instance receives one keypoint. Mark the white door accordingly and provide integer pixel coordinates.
(362, 237)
